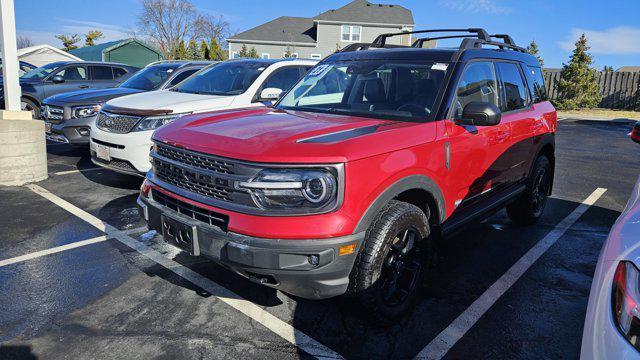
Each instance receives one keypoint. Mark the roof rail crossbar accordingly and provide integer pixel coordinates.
(506, 38)
(381, 39)
(419, 42)
(469, 43)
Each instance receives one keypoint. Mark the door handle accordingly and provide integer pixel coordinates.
(83, 86)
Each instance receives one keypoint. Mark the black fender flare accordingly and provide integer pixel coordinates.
(408, 183)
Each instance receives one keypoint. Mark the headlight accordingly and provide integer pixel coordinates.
(293, 189)
(625, 298)
(85, 111)
(154, 122)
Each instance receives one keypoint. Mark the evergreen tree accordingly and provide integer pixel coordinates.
(215, 51)
(180, 52)
(244, 52)
(533, 50)
(204, 50)
(253, 53)
(578, 86)
(193, 51)
(68, 42)
(607, 68)
(91, 37)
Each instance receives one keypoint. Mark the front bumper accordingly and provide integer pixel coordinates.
(72, 131)
(277, 263)
(132, 148)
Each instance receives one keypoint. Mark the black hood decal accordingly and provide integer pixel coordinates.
(340, 135)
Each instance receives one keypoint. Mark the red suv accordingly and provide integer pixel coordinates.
(337, 187)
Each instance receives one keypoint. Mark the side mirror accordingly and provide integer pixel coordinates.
(57, 79)
(270, 94)
(635, 132)
(479, 113)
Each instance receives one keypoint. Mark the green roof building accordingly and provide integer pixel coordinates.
(127, 51)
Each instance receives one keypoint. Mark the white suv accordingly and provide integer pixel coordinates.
(121, 136)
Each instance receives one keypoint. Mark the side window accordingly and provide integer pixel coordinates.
(478, 83)
(118, 72)
(538, 91)
(283, 78)
(73, 73)
(515, 92)
(101, 73)
(183, 75)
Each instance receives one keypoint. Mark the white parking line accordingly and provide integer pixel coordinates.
(255, 312)
(53, 250)
(77, 171)
(439, 346)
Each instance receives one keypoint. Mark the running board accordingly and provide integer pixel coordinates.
(477, 211)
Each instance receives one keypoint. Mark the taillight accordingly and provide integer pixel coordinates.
(625, 300)
(144, 188)
(635, 133)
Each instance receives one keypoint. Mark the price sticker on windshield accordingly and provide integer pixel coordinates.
(439, 66)
(317, 70)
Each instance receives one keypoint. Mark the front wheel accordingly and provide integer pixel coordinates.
(28, 105)
(528, 208)
(390, 265)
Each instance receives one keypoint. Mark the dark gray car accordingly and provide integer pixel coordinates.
(68, 117)
(64, 76)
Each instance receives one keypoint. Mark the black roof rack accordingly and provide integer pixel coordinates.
(365, 46)
(481, 34)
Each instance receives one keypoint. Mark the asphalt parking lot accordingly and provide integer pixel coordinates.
(69, 291)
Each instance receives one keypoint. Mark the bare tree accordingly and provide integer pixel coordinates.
(168, 22)
(23, 41)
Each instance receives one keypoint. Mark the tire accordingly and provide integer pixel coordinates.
(28, 105)
(529, 206)
(388, 271)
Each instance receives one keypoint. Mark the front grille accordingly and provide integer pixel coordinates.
(198, 183)
(195, 159)
(116, 123)
(54, 113)
(192, 211)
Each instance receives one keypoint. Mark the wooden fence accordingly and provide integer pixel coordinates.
(619, 89)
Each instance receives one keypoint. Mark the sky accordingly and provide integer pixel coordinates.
(612, 27)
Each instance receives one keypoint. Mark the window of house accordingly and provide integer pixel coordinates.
(351, 33)
(234, 55)
(266, 56)
(478, 83)
(316, 56)
(291, 55)
(515, 92)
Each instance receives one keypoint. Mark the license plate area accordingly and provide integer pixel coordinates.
(180, 234)
(103, 152)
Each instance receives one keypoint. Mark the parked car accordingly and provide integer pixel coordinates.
(69, 116)
(612, 323)
(121, 137)
(65, 76)
(337, 188)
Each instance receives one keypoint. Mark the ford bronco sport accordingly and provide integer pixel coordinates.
(337, 188)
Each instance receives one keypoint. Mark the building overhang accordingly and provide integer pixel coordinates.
(268, 42)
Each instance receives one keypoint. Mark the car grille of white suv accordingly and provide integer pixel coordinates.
(116, 123)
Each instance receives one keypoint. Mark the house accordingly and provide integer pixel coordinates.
(127, 51)
(629, 69)
(320, 36)
(39, 55)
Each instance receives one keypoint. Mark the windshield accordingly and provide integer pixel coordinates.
(151, 77)
(41, 72)
(228, 78)
(395, 89)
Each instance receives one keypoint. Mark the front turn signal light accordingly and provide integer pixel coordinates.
(347, 249)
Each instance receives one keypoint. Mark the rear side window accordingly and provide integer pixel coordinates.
(101, 73)
(538, 89)
(118, 72)
(478, 83)
(183, 75)
(514, 90)
(283, 79)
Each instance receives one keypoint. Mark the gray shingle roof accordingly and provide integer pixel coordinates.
(364, 11)
(303, 30)
(284, 29)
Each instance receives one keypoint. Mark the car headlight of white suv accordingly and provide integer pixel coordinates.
(154, 122)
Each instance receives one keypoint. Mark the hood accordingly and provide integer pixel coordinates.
(92, 96)
(172, 100)
(622, 243)
(267, 135)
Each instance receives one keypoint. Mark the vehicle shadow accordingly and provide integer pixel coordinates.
(112, 179)
(16, 352)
